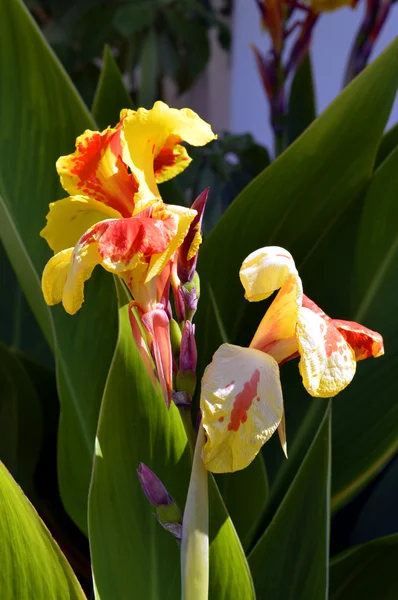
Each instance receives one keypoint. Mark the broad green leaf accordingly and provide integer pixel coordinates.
(301, 108)
(296, 200)
(32, 565)
(369, 402)
(147, 91)
(367, 571)
(129, 548)
(111, 94)
(20, 420)
(291, 558)
(41, 115)
(388, 143)
(245, 494)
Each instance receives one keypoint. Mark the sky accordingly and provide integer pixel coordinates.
(332, 40)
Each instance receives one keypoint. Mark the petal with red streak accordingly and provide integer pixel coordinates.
(327, 363)
(242, 406)
(157, 323)
(96, 169)
(362, 340)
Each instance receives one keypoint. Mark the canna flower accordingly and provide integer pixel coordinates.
(114, 215)
(241, 398)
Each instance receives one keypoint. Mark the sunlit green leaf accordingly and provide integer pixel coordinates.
(32, 565)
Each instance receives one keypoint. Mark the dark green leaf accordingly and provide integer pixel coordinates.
(32, 565)
(41, 117)
(368, 571)
(111, 94)
(20, 420)
(388, 143)
(301, 108)
(245, 494)
(291, 558)
(375, 296)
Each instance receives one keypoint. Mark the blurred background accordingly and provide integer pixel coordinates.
(197, 53)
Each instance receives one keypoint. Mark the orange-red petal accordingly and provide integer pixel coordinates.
(96, 170)
(362, 340)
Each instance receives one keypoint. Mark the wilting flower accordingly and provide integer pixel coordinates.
(114, 215)
(241, 397)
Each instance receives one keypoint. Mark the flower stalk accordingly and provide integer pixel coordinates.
(195, 531)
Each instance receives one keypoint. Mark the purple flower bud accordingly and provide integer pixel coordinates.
(153, 487)
(186, 267)
(174, 528)
(188, 352)
(190, 298)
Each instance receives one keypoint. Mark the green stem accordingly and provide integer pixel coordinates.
(195, 531)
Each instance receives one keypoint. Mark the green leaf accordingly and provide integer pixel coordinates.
(367, 571)
(375, 298)
(111, 94)
(18, 327)
(388, 143)
(296, 200)
(20, 420)
(41, 115)
(132, 18)
(129, 549)
(245, 494)
(291, 558)
(230, 575)
(32, 565)
(147, 91)
(301, 108)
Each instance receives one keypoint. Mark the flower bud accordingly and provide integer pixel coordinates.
(186, 376)
(175, 337)
(188, 251)
(166, 510)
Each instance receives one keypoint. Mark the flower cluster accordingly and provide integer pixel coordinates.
(115, 217)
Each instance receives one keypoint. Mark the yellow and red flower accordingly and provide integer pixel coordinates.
(114, 215)
(241, 397)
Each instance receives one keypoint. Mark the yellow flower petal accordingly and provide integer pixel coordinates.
(69, 218)
(242, 406)
(265, 271)
(83, 261)
(152, 138)
(184, 217)
(54, 276)
(276, 333)
(327, 364)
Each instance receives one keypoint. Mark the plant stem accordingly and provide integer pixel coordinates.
(195, 531)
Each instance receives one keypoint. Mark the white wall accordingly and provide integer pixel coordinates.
(332, 41)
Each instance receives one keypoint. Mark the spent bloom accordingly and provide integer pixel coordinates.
(241, 398)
